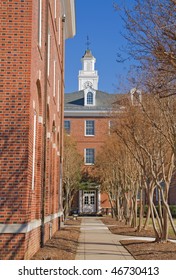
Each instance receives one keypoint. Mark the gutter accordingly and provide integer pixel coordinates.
(62, 119)
(43, 189)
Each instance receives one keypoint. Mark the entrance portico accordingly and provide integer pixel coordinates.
(89, 201)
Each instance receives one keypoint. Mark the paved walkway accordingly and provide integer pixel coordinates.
(96, 242)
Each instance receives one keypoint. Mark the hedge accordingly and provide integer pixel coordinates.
(172, 209)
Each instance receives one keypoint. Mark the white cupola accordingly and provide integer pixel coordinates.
(88, 76)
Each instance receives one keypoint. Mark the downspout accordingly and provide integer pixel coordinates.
(44, 132)
(62, 115)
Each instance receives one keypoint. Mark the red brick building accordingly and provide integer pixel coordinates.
(172, 191)
(87, 120)
(31, 121)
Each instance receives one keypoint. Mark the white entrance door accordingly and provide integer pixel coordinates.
(89, 201)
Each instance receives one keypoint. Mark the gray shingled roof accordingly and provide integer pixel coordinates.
(75, 101)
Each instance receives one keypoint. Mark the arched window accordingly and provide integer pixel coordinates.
(90, 98)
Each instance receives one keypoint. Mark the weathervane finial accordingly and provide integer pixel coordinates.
(88, 43)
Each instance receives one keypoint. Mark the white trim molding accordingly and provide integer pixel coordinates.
(68, 8)
(27, 227)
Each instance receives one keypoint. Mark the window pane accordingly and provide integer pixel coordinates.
(67, 126)
(90, 156)
(90, 98)
(86, 200)
(90, 128)
(92, 199)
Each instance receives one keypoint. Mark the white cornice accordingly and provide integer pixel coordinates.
(89, 113)
(68, 8)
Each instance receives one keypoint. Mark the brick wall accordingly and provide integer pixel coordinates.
(22, 114)
(77, 130)
(14, 107)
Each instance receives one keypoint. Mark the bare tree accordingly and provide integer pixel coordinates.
(71, 172)
(151, 36)
(147, 136)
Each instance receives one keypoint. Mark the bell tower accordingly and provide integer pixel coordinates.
(88, 76)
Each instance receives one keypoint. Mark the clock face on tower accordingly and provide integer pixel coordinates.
(88, 84)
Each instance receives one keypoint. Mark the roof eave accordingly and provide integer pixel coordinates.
(70, 19)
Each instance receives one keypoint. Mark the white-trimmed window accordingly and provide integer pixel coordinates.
(90, 98)
(89, 156)
(49, 50)
(40, 23)
(34, 149)
(67, 126)
(89, 128)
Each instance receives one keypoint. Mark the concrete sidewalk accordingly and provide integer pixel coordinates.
(96, 242)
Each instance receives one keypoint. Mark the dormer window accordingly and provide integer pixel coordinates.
(136, 97)
(90, 98)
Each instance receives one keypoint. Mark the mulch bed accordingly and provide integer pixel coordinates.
(63, 245)
(139, 249)
(144, 250)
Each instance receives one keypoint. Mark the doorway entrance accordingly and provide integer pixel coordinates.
(89, 202)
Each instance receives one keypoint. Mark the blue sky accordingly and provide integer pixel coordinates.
(98, 20)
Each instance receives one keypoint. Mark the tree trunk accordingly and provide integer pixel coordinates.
(148, 212)
(166, 206)
(158, 220)
(158, 237)
(141, 211)
(126, 209)
(160, 207)
(165, 226)
(118, 208)
(135, 211)
(112, 207)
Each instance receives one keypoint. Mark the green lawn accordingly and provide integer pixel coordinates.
(171, 233)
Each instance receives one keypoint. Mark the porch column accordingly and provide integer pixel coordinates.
(80, 201)
(99, 201)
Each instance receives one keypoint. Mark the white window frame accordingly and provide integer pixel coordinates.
(34, 149)
(68, 133)
(39, 23)
(85, 156)
(85, 125)
(86, 91)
